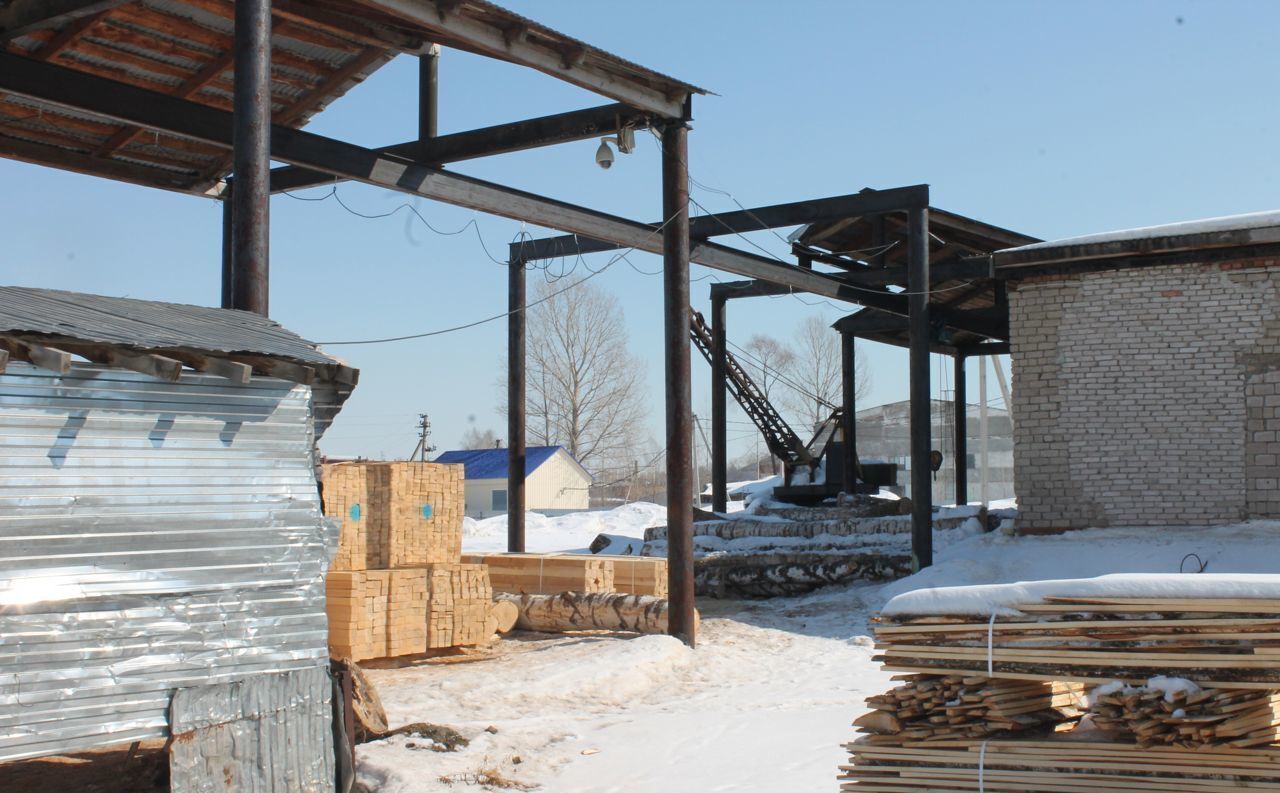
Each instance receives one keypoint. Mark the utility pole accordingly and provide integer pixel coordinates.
(424, 432)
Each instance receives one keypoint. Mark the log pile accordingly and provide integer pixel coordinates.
(1189, 718)
(752, 575)
(744, 527)
(932, 708)
(574, 611)
(397, 586)
(1183, 695)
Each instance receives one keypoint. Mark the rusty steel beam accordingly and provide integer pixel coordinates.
(251, 143)
(921, 405)
(675, 290)
(516, 410)
(719, 408)
(848, 418)
(961, 433)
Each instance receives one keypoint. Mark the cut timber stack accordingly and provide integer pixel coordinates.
(931, 708)
(1184, 693)
(1188, 718)
(1217, 643)
(546, 573)
(638, 575)
(397, 586)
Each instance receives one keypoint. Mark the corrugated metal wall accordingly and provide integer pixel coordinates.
(152, 536)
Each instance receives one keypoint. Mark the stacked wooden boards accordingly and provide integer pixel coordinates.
(931, 708)
(1183, 696)
(1219, 643)
(551, 573)
(397, 585)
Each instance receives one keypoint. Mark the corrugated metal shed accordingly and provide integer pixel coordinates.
(153, 536)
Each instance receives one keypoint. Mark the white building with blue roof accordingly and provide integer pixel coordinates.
(555, 481)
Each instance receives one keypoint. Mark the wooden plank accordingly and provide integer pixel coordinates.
(19, 17)
(39, 355)
(284, 370)
(236, 372)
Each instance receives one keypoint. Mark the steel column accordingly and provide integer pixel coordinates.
(675, 288)
(962, 433)
(849, 423)
(428, 93)
(228, 269)
(719, 409)
(921, 405)
(251, 141)
(515, 405)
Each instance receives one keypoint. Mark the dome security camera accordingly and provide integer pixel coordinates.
(604, 155)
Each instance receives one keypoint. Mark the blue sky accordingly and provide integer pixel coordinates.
(1053, 119)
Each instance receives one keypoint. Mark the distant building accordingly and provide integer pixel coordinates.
(884, 435)
(555, 482)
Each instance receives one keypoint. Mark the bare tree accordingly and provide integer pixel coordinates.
(475, 438)
(815, 373)
(766, 361)
(585, 388)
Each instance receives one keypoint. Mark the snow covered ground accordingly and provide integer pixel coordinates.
(763, 703)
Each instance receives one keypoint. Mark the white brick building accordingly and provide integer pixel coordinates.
(1146, 375)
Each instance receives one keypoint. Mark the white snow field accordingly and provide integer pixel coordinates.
(764, 702)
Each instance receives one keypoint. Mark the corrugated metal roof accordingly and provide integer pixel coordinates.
(492, 463)
(153, 536)
(150, 325)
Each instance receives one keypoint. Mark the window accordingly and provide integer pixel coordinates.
(499, 501)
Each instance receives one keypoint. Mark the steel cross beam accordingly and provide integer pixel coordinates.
(488, 141)
(124, 103)
(867, 202)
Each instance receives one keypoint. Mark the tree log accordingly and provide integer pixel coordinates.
(575, 611)
(505, 615)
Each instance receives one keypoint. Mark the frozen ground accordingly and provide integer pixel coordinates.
(765, 701)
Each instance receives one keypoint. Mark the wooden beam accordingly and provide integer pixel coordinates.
(346, 26)
(238, 373)
(208, 74)
(495, 41)
(51, 358)
(284, 370)
(157, 366)
(23, 16)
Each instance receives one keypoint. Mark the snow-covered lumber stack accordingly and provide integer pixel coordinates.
(546, 573)
(930, 708)
(397, 586)
(1224, 643)
(1181, 672)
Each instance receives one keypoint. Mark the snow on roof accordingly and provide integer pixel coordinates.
(1003, 599)
(492, 463)
(1247, 222)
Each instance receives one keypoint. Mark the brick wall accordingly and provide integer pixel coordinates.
(1147, 396)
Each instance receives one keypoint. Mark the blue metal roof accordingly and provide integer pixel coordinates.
(492, 463)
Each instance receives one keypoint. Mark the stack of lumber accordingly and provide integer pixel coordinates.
(1189, 718)
(933, 708)
(1061, 766)
(397, 586)
(638, 575)
(546, 573)
(460, 601)
(1221, 643)
(1184, 693)
(395, 514)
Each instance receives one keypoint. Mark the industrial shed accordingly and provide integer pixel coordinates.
(162, 548)
(1146, 369)
(556, 481)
